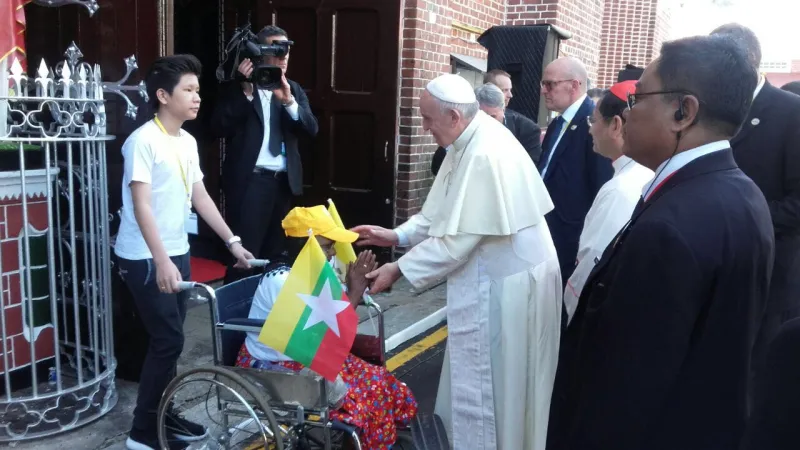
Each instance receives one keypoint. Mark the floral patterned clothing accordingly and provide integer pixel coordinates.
(376, 402)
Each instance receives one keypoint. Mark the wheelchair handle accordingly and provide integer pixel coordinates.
(258, 262)
(185, 285)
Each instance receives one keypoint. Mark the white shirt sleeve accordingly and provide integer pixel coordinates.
(196, 175)
(609, 213)
(293, 110)
(434, 258)
(139, 161)
(413, 231)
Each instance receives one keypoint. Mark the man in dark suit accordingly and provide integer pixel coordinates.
(657, 354)
(767, 149)
(776, 407)
(493, 101)
(572, 171)
(262, 169)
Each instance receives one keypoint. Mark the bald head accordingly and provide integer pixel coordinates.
(564, 81)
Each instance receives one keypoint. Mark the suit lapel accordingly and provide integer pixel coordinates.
(757, 109)
(257, 105)
(571, 128)
(721, 160)
(547, 144)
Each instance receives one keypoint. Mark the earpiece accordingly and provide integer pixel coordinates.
(679, 112)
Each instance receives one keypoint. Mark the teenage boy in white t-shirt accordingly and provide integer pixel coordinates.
(161, 181)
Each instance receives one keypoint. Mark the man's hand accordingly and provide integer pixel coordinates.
(242, 255)
(356, 277)
(246, 69)
(372, 235)
(383, 278)
(167, 276)
(284, 93)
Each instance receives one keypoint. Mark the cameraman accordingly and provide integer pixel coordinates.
(262, 168)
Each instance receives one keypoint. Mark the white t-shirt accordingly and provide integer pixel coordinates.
(153, 157)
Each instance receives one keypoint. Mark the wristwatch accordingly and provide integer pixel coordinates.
(289, 103)
(232, 241)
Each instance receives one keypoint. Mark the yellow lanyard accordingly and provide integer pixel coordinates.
(180, 165)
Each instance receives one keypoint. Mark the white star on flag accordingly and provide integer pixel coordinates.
(324, 308)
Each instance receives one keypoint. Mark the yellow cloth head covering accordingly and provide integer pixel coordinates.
(318, 220)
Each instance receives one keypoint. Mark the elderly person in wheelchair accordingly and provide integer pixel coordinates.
(375, 401)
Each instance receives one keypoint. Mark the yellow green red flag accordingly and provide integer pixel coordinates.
(312, 320)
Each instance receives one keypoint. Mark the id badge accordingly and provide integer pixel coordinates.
(189, 220)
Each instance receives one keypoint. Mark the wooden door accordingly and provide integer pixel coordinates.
(346, 58)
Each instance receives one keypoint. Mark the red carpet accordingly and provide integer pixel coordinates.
(206, 270)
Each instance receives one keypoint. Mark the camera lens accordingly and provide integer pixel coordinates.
(267, 77)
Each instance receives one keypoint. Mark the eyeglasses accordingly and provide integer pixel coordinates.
(632, 96)
(590, 120)
(550, 84)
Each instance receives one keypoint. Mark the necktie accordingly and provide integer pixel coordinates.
(551, 144)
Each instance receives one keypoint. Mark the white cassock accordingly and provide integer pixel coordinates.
(610, 211)
(482, 226)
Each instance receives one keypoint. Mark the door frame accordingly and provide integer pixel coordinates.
(166, 27)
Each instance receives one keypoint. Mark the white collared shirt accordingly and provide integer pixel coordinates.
(761, 81)
(568, 115)
(672, 165)
(265, 159)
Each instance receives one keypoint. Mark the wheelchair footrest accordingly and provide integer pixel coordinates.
(428, 433)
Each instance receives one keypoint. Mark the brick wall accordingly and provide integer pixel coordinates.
(632, 33)
(428, 40)
(429, 37)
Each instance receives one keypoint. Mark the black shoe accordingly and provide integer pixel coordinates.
(141, 440)
(183, 429)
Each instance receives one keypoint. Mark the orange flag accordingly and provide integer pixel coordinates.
(12, 31)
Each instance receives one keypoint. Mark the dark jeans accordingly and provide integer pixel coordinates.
(163, 316)
(266, 202)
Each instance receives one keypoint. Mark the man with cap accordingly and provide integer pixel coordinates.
(616, 199)
(482, 227)
(375, 402)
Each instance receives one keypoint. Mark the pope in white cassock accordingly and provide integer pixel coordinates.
(482, 227)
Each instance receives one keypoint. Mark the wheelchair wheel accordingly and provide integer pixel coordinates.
(404, 441)
(243, 419)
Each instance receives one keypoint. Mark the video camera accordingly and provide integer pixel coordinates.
(245, 44)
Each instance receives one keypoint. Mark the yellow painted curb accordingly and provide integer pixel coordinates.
(417, 349)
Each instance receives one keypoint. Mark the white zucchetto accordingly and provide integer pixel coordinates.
(451, 88)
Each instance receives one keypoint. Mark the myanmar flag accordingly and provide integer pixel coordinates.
(344, 250)
(312, 320)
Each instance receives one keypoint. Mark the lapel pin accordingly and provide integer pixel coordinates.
(755, 121)
(573, 128)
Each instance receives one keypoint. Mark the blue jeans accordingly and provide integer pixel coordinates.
(163, 316)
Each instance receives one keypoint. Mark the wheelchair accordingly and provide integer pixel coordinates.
(261, 408)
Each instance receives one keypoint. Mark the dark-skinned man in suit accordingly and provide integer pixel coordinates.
(657, 355)
(262, 171)
(767, 149)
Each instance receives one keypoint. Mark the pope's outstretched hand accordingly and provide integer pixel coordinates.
(374, 235)
(383, 278)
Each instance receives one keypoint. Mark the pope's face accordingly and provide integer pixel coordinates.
(443, 125)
